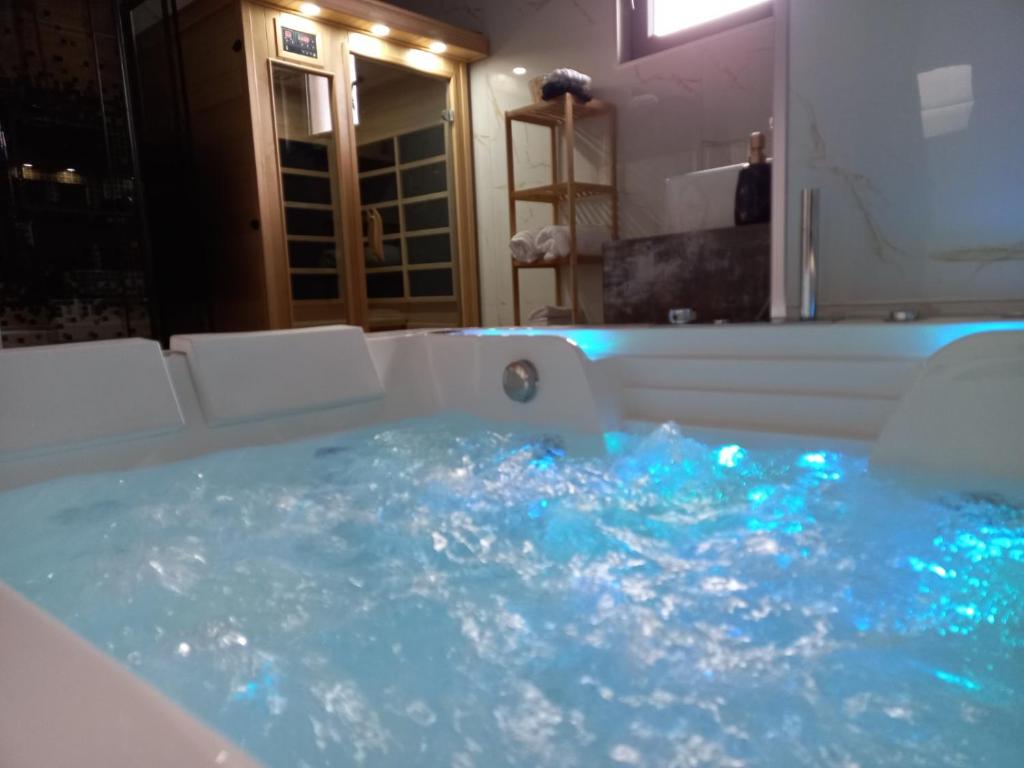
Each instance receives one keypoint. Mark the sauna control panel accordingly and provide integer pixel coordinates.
(296, 41)
(299, 39)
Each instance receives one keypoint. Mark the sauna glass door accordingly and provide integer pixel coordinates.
(305, 130)
(404, 153)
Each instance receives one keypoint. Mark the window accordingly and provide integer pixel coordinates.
(649, 26)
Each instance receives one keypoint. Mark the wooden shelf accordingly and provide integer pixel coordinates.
(556, 193)
(561, 261)
(552, 113)
(560, 117)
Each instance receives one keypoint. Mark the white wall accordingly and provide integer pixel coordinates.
(681, 110)
(909, 118)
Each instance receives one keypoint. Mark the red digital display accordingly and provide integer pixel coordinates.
(302, 43)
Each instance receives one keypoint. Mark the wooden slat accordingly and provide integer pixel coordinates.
(553, 193)
(551, 112)
(561, 262)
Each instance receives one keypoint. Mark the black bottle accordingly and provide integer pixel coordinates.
(754, 188)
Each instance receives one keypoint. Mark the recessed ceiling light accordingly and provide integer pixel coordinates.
(310, 9)
(380, 30)
(70, 170)
(518, 70)
(26, 165)
(437, 46)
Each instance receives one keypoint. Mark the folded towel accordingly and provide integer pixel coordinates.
(524, 247)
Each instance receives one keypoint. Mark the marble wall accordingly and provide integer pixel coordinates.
(680, 110)
(908, 116)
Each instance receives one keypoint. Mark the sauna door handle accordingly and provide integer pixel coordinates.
(375, 234)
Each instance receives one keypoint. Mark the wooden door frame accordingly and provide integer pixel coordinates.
(355, 304)
(464, 193)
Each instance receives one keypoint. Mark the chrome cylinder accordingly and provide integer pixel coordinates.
(808, 254)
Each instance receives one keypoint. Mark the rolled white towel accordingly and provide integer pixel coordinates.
(553, 241)
(524, 247)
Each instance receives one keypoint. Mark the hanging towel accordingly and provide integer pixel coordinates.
(524, 247)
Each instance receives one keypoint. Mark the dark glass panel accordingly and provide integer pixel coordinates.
(428, 249)
(384, 285)
(378, 189)
(303, 155)
(389, 217)
(306, 255)
(425, 180)
(306, 189)
(419, 145)
(431, 214)
(376, 155)
(308, 221)
(430, 282)
(306, 287)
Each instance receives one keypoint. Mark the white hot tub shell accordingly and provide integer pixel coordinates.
(938, 401)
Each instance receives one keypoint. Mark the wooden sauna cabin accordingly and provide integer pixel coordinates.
(334, 167)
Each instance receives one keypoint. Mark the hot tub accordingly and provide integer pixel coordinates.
(770, 545)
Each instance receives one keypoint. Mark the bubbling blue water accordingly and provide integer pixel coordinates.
(443, 594)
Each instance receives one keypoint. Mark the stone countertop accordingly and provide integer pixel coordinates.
(723, 274)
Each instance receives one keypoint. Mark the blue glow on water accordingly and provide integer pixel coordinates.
(615, 442)
(920, 566)
(538, 508)
(962, 682)
(974, 600)
(730, 455)
(813, 460)
(446, 593)
(759, 495)
(264, 688)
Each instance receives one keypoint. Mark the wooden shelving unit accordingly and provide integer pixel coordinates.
(560, 114)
